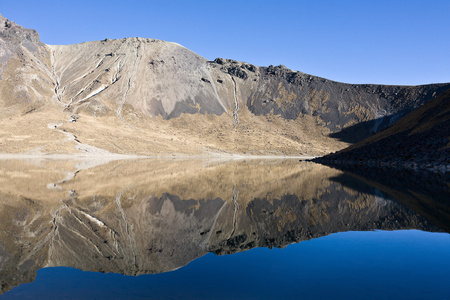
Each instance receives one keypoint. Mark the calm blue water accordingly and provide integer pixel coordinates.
(404, 264)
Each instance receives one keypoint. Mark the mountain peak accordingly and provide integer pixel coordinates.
(14, 32)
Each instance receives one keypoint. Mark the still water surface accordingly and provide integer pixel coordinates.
(219, 230)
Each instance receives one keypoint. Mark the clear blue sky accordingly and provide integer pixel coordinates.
(379, 41)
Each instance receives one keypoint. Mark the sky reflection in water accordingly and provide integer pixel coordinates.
(408, 264)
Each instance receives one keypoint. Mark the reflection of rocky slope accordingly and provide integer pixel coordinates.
(147, 96)
(419, 140)
(426, 192)
(155, 216)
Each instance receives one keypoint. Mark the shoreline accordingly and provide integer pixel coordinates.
(21, 156)
(414, 165)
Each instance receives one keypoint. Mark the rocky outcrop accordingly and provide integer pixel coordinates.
(25, 77)
(15, 33)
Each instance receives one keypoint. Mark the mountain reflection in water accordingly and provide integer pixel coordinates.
(153, 216)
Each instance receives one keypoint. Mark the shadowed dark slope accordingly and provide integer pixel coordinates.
(419, 140)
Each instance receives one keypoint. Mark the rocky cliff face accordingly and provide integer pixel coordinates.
(147, 96)
(290, 94)
(11, 31)
(26, 82)
(156, 216)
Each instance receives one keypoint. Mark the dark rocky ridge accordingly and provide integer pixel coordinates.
(420, 140)
(350, 111)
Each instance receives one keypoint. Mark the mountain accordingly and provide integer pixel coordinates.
(150, 97)
(420, 140)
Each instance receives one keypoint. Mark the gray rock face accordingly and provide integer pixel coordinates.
(16, 33)
(24, 60)
(362, 108)
(149, 76)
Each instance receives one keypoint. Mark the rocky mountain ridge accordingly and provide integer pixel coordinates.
(150, 97)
